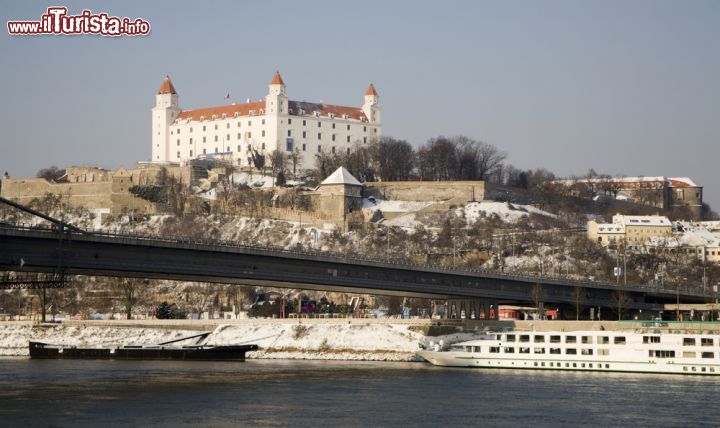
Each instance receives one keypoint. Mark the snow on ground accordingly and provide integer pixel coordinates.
(507, 212)
(394, 206)
(406, 221)
(277, 340)
(253, 180)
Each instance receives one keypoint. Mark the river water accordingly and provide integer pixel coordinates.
(341, 394)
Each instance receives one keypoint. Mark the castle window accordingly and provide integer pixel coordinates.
(348, 138)
(304, 134)
(204, 127)
(333, 126)
(238, 147)
(249, 122)
(178, 155)
(263, 146)
(190, 140)
(348, 150)
(319, 149)
(178, 142)
(190, 153)
(319, 135)
(238, 123)
(304, 122)
(178, 131)
(191, 129)
(263, 121)
(319, 124)
(227, 137)
(289, 121)
(263, 133)
(304, 147)
(228, 124)
(249, 135)
(348, 127)
(289, 133)
(364, 128)
(216, 138)
(333, 149)
(375, 130)
(204, 139)
(333, 137)
(364, 139)
(204, 151)
(228, 149)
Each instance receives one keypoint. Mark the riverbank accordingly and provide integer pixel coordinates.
(349, 339)
(312, 339)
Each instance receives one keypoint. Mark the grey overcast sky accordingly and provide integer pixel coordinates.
(624, 87)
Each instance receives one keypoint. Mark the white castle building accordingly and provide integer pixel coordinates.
(233, 131)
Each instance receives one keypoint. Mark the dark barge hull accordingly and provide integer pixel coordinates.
(210, 353)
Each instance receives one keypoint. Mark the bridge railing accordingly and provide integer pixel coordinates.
(390, 261)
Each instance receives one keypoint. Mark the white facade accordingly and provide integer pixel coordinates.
(234, 131)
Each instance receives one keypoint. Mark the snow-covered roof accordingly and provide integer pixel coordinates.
(682, 182)
(341, 176)
(641, 220)
(610, 228)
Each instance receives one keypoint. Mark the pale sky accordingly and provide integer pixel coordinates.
(624, 87)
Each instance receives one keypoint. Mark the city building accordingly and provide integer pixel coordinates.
(667, 193)
(632, 231)
(235, 132)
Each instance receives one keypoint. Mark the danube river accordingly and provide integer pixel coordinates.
(341, 394)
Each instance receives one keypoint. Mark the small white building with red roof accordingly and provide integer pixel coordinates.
(234, 131)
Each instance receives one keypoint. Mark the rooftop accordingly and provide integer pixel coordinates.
(341, 176)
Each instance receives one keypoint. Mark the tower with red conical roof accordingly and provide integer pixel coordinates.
(371, 107)
(164, 114)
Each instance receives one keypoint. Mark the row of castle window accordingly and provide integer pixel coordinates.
(333, 137)
(249, 148)
(204, 128)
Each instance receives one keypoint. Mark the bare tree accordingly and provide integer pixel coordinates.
(52, 173)
(278, 162)
(538, 297)
(130, 291)
(579, 298)
(621, 298)
(258, 161)
(199, 295)
(295, 160)
(394, 159)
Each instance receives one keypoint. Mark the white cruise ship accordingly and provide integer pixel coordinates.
(640, 351)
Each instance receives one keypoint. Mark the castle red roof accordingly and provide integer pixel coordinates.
(229, 111)
(166, 87)
(303, 108)
(371, 90)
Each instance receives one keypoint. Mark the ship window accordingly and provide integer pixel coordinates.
(583, 365)
(603, 352)
(603, 340)
(688, 354)
(555, 350)
(651, 339)
(567, 364)
(494, 349)
(539, 339)
(510, 338)
(662, 354)
(702, 369)
(587, 339)
(554, 339)
(509, 350)
(708, 355)
(706, 341)
(694, 369)
(712, 369)
(524, 350)
(476, 349)
(571, 351)
(620, 340)
(574, 364)
(688, 341)
(587, 351)
(590, 365)
(542, 364)
(539, 350)
(468, 348)
(524, 337)
(607, 366)
(535, 363)
(570, 339)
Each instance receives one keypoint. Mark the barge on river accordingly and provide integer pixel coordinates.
(640, 351)
(162, 351)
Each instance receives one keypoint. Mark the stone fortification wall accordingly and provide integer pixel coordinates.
(427, 191)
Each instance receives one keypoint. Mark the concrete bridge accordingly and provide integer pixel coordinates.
(46, 250)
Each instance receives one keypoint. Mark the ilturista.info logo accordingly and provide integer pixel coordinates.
(57, 22)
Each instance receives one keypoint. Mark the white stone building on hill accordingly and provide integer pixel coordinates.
(232, 132)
